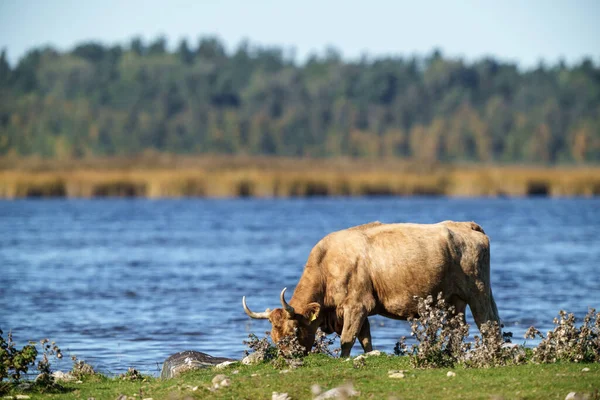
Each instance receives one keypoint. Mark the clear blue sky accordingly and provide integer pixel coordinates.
(523, 31)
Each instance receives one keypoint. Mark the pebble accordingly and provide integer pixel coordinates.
(225, 382)
(63, 376)
(219, 378)
(253, 358)
(396, 375)
(450, 374)
(343, 392)
(220, 381)
(316, 389)
(224, 364)
(576, 396)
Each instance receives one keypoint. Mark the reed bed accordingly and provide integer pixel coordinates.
(165, 176)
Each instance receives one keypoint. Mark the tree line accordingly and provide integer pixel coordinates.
(100, 100)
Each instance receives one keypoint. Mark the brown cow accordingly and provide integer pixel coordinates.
(382, 269)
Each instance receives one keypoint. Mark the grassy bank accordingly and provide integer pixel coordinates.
(158, 176)
(531, 381)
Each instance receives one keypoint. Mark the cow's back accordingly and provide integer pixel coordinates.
(393, 263)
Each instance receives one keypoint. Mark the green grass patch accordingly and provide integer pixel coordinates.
(529, 381)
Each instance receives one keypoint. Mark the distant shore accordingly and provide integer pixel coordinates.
(168, 176)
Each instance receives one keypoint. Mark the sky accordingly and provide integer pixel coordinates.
(524, 31)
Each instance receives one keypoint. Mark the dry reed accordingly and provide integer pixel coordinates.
(159, 175)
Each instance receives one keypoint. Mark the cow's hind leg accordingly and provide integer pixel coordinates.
(354, 319)
(364, 336)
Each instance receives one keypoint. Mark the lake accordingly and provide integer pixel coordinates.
(126, 282)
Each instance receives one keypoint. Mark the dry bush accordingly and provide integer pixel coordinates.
(132, 374)
(263, 347)
(440, 335)
(81, 369)
(288, 352)
(566, 342)
(323, 344)
(490, 349)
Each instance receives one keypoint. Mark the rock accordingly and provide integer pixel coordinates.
(316, 389)
(60, 376)
(284, 371)
(121, 397)
(451, 374)
(359, 361)
(220, 381)
(188, 360)
(344, 391)
(586, 369)
(24, 387)
(397, 375)
(225, 364)
(373, 353)
(21, 397)
(280, 396)
(577, 396)
(225, 382)
(253, 358)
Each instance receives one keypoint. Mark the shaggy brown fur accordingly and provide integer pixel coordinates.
(383, 269)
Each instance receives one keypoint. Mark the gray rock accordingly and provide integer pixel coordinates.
(577, 396)
(253, 358)
(60, 376)
(343, 392)
(225, 364)
(189, 360)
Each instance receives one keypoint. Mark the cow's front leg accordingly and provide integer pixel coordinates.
(364, 336)
(354, 319)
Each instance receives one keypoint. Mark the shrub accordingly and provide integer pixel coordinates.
(323, 344)
(132, 374)
(566, 342)
(440, 335)
(490, 350)
(14, 362)
(81, 369)
(262, 347)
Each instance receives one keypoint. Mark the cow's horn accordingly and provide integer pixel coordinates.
(285, 305)
(251, 314)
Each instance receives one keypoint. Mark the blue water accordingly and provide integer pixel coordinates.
(122, 283)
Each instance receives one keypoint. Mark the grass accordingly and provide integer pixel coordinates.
(161, 175)
(531, 381)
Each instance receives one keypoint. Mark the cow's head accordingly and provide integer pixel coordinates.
(286, 321)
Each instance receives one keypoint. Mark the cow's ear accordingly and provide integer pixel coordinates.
(312, 311)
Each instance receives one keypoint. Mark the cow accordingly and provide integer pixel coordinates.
(383, 269)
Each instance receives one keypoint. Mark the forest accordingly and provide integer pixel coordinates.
(97, 100)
